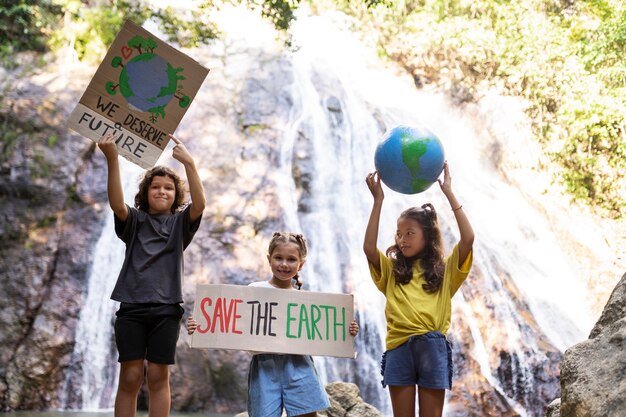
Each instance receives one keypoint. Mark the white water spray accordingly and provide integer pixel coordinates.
(346, 96)
(94, 333)
(344, 99)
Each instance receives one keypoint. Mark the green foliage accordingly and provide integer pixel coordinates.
(187, 31)
(25, 24)
(91, 30)
(40, 167)
(593, 156)
(604, 50)
(9, 137)
(72, 194)
(565, 58)
(279, 12)
(52, 140)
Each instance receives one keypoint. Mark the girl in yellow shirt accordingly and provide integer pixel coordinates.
(418, 283)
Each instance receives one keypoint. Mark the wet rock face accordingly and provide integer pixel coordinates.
(53, 198)
(49, 220)
(473, 394)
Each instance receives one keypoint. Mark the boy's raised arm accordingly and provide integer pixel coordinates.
(198, 199)
(115, 191)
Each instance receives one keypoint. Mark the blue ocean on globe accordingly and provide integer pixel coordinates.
(148, 78)
(409, 159)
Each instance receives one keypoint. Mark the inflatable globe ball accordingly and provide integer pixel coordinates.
(409, 159)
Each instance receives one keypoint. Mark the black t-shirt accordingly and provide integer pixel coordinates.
(153, 266)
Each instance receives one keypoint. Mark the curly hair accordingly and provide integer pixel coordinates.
(141, 198)
(287, 237)
(430, 258)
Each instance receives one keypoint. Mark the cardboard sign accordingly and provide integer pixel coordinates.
(273, 320)
(140, 92)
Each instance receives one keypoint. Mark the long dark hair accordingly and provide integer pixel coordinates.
(430, 258)
(287, 237)
(141, 198)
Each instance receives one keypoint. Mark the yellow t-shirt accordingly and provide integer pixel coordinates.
(410, 310)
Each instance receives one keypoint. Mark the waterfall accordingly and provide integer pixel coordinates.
(344, 100)
(95, 346)
(523, 293)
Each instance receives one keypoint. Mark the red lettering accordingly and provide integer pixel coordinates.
(205, 300)
(233, 306)
(224, 313)
(217, 314)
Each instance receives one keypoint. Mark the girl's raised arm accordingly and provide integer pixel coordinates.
(371, 232)
(115, 191)
(198, 199)
(465, 228)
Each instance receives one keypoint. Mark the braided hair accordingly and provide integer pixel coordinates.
(430, 258)
(288, 237)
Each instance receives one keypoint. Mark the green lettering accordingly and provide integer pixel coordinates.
(290, 319)
(341, 324)
(315, 317)
(304, 318)
(326, 315)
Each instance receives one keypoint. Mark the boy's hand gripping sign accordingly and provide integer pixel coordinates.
(140, 92)
(273, 320)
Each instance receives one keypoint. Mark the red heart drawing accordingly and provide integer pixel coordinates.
(126, 52)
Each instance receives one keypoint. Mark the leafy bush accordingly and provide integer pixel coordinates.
(25, 24)
(565, 58)
(89, 29)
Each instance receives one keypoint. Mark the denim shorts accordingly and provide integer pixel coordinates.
(424, 360)
(289, 381)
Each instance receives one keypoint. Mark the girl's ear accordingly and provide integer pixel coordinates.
(301, 265)
(269, 259)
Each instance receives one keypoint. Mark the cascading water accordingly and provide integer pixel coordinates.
(343, 105)
(505, 317)
(94, 349)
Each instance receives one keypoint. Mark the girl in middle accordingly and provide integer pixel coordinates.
(277, 381)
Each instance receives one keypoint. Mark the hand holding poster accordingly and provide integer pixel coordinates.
(139, 93)
(273, 320)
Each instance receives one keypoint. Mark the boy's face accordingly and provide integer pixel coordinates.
(161, 195)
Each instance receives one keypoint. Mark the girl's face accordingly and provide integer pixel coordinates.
(409, 237)
(285, 262)
(161, 195)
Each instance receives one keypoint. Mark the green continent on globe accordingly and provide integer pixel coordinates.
(172, 78)
(412, 152)
(418, 185)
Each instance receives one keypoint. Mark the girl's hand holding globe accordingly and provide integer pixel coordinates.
(373, 183)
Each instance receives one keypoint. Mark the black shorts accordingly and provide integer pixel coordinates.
(148, 331)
